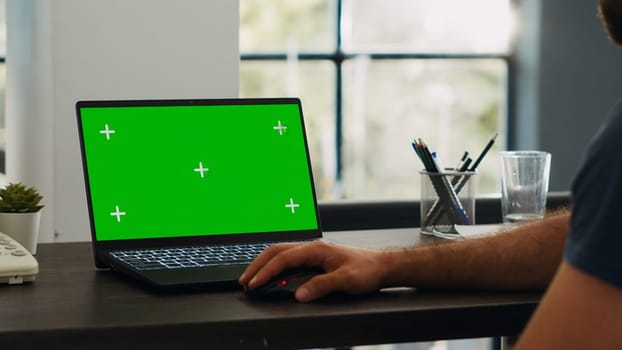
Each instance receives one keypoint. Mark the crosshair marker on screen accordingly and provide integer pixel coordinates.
(107, 131)
(201, 169)
(117, 213)
(280, 128)
(292, 205)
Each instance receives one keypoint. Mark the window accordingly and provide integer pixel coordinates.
(373, 74)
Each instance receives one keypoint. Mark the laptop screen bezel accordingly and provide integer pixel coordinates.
(102, 246)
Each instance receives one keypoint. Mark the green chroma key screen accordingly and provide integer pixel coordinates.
(188, 170)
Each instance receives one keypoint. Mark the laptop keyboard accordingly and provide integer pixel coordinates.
(184, 257)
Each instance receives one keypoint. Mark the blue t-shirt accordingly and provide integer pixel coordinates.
(594, 243)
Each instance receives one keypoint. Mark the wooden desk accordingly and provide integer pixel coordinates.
(73, 306)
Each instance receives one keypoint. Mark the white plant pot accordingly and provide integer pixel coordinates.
(22, 227)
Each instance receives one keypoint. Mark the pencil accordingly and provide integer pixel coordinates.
(460, 181)
(433, 213)
(483, 154)
(428, 156)
(419, 151)
(445, 191)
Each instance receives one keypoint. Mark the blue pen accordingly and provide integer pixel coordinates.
(437, 161)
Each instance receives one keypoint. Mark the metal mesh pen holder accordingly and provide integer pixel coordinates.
(447, 201)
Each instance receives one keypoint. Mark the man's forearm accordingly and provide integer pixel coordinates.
(523, 258)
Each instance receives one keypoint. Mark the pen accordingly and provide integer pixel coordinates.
(477, 161)
(465, 165)
(465, 155)
(444, 189)
(437, 162)
(462, 160)
(433, 214)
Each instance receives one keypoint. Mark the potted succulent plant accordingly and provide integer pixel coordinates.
(20, 214)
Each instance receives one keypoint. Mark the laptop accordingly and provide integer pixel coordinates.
(186, 193)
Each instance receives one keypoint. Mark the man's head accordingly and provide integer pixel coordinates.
(610, 12)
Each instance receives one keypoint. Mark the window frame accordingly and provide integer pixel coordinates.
(338, 57)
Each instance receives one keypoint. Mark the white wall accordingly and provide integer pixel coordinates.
(63, 51)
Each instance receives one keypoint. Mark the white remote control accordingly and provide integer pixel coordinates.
(17, 265)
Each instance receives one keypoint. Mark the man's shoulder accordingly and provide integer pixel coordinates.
(615, 115)
(610, 133)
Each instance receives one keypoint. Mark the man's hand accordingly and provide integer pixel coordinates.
(351, 270)
(525, 258)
